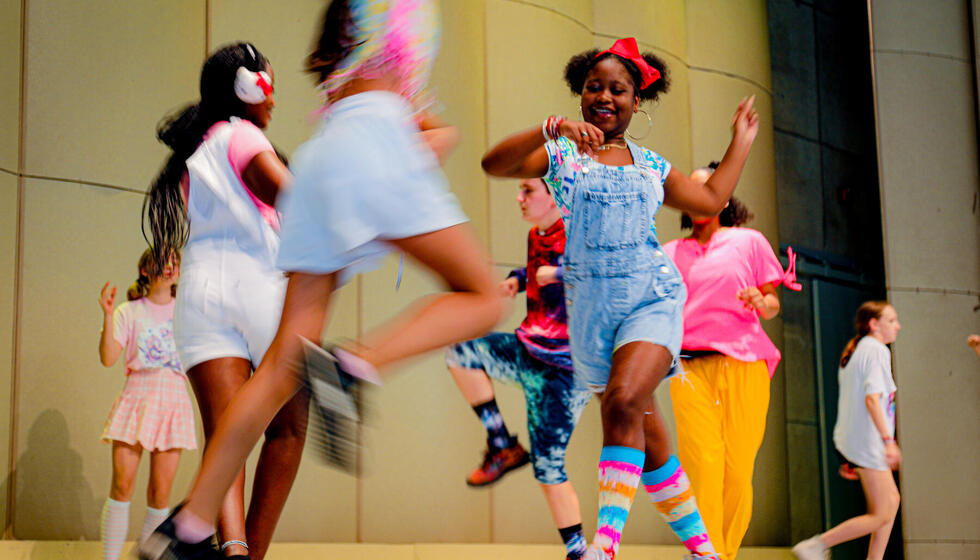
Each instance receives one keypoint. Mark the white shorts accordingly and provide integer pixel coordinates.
(229, 313)
(363, 178)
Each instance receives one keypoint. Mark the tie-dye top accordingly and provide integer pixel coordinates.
(400, 36)
(146, 332)
(565, 173)
(544, 332)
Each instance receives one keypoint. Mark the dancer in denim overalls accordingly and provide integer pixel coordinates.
(624, 297)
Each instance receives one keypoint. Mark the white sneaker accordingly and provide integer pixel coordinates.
(811, 549)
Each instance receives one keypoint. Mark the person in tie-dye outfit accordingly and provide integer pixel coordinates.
(536, 358)
(623, 295)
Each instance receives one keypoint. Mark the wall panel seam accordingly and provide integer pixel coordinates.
(11, 497)
(731, 75)
(95, 184)
(922, 53)
(554, 11)
(649, 45)
(927, 290)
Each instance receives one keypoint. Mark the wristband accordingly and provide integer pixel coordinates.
(888, 439)
(549, 128)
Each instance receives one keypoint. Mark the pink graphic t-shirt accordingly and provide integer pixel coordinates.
(146, 332)
(714, 273)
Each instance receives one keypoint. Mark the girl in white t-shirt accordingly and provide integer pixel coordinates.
(154, 410)
(865, 431)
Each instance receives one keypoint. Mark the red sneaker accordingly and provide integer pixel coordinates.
(497, 463)
(846, 472)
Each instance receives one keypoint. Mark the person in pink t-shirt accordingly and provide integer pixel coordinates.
(720, 403)
(154, 411)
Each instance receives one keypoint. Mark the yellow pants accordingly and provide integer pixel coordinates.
(720, 408)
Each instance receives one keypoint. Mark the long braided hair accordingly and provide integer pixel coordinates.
(165, 225)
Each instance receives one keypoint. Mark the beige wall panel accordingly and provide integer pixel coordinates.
(100, 76)
(903, 25)
(657, 25)
(934, 190)
(714, 99)
(8, 274)
(10, 46)
(930, 382)
(579, 12)
(284, 33)
(458, 80)
(521, 91)
(929, 551)
(729, 37)
(75, 239)
(421, 444)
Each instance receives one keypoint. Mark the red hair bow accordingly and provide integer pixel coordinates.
(627, 49)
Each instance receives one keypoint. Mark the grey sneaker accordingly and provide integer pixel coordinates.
(811, 549)
(335, 408)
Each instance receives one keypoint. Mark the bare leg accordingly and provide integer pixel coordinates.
(259, 400)
(883, 499)
(125, 461)
(163, 468)
(637, 369)
(563, 503)
(275, 473)
(469, 310)
(215, 383)
(473, 383)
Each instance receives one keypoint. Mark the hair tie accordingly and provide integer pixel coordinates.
(627, 49)
(252, 87)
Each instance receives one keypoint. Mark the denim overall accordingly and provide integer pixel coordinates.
(620, 286)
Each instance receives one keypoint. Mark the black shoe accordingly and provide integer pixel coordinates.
(335, 406)
(163, 544)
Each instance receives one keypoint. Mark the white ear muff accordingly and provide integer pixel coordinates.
(252, 87)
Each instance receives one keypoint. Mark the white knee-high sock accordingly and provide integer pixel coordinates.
(115, 525)
(154, 517)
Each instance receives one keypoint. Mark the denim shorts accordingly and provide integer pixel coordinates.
(554, 401)
(598, 326)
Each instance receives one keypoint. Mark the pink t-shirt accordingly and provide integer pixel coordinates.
(246, 142)
(146, 332)
(714, 318)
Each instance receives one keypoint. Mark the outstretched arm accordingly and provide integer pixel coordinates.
(690, 196)
(522, 155)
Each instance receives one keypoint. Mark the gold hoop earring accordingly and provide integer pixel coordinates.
(649, 127)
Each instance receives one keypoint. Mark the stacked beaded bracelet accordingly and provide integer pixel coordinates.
(549, 128)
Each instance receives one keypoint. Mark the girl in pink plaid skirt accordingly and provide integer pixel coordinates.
(154, 410)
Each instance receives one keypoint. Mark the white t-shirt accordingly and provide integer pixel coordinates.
(869, 371)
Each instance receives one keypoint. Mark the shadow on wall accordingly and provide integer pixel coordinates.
(54, 501)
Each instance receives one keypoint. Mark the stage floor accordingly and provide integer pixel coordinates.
(62, 550)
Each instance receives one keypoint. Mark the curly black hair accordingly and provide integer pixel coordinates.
(736, 213)
(578, 68)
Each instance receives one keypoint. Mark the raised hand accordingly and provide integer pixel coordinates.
(107, 299)
(745, 122)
